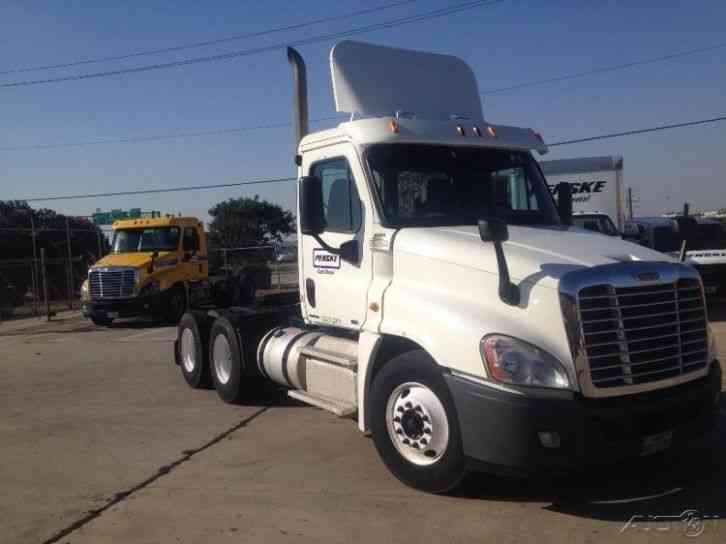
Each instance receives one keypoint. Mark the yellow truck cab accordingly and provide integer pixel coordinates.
(152, 264)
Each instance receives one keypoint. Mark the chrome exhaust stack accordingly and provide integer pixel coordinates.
(300, 94)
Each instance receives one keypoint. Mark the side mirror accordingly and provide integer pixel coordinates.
(312, 213)
(154, 256)
(349, 251)
(564, 202)
(493, 230)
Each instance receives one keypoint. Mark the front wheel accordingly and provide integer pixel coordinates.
(414, 424)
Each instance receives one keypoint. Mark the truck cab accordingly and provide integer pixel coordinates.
(596, 222)
(446, 302)
(705, 244)
(152, 264)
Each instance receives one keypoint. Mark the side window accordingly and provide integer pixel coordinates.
(191, 239)
(340, 197)
(513, 189)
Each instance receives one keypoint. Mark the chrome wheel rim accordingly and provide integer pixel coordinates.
(222, 359)
(417, 423)
(188, 350)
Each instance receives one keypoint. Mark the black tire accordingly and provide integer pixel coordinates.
(101, 321)
(176, 305)
(193, 360)
(229, 384)
(446, 472)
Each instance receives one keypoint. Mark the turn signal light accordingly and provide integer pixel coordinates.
(492, 131)
(394, 127)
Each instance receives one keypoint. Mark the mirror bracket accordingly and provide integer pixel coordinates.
(495, 230)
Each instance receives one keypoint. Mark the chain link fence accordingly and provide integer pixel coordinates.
(30, 287)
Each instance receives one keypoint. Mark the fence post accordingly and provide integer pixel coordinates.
(45, 283)
(69, 268)
(36, 280)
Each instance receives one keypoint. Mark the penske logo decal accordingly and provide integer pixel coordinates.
(325, 260)
(582, 191)
(706, 254)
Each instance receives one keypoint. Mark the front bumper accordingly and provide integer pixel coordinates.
(500, 429)
(122, 307)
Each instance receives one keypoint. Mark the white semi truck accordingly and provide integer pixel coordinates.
(597, 190)
(446, 304)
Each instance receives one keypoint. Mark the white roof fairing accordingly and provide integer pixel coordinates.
(377, 81)
(437, 93)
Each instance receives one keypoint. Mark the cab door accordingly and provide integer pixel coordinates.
(335, 291)
(194, 263)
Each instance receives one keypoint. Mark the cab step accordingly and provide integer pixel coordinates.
(339, 359)
(337, 407)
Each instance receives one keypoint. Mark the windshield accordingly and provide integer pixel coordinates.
(428, 185)
(156, 239)
(598, 223)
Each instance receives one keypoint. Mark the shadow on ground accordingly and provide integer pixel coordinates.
(661, 485)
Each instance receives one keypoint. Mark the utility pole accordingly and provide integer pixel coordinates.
(70, 264)
(45, 284)
(630, 202)
(36, 279)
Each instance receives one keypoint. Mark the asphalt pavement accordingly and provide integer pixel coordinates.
(101, 440)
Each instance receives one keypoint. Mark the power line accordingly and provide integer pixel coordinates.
(604, 69)
(282, 180)
(159, 137)
(640, 131)
(217, 41)
(157, 191)
(441, 12)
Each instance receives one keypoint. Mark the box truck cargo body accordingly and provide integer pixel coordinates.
(597, 184)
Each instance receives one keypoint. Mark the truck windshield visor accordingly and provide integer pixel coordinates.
(154, 239)
(434, 185)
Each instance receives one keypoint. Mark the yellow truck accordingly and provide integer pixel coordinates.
(160, 267)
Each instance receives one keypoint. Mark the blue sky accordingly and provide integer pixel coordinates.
(508, 43)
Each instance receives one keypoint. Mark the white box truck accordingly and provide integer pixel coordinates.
(446, 303)
(597, 190)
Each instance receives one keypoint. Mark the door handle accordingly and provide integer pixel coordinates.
(310, 291)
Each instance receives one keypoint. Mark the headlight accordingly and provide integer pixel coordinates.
(516, 362)
(85, 291)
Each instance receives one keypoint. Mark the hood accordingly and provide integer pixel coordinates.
(134, 260)
(534, 254)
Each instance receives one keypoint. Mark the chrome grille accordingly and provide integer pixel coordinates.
(112, 283)
(637, 335)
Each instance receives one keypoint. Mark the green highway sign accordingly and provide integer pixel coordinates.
(107, 218)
